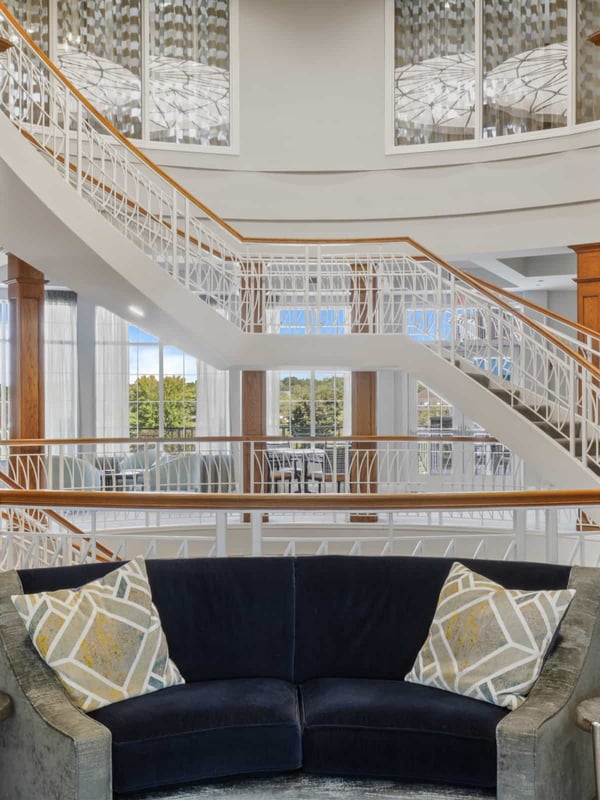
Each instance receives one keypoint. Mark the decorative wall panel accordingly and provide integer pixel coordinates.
(525, 66)
(588, 62)
(434, 77)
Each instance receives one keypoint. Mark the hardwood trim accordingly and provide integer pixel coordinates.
(299, 502)
(540, 309)
(254, 422)
(26, 301)
(5, 44)
(589, 247)
(363, 470)
(262, 438)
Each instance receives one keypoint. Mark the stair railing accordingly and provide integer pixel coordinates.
(342, 286)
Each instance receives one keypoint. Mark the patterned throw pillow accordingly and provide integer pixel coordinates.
(104, 640)
(486, 641)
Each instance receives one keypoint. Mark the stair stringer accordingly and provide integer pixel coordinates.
(397, 351)
(45, 222)
(551, 461)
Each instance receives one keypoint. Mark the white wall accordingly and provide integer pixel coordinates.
(312, 158)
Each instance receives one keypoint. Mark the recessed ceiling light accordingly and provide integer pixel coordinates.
(139, 312)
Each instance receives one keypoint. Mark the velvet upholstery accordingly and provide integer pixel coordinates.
(368, 617)
(245, 631)
(392, 729)
(203, 730)
(223, 618)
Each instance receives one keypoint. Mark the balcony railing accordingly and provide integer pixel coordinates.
(343, 465)
(538, 526)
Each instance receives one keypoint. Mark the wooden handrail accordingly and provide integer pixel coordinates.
(433, 437)
(539, 309)
(468, 279)
(544, 332)
(300, 502)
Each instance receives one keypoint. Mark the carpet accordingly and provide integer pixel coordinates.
(307, 787)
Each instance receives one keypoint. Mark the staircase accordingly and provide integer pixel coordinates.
(125, 232)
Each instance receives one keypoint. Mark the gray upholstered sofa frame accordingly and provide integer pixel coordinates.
(49, 749)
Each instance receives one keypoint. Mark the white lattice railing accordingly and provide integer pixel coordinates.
(386, 287)
(319, 466)
(523, 527)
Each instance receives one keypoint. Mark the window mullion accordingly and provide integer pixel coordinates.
(161, 392)
(571, 63)
(313, 426)
(145, 44)
(478, 126)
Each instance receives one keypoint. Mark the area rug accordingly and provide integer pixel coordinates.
(306, 787)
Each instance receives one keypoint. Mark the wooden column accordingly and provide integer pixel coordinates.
(254, 383)
(254, 424)
(363, 471)
(26, 304)
(588, 284)
(588, 313)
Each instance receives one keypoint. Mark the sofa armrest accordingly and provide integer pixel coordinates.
(49, 749)
(542, 754)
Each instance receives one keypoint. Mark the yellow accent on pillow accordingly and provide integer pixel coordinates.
(488, 642)
(104, 641)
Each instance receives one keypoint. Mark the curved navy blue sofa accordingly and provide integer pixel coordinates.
(298, 664)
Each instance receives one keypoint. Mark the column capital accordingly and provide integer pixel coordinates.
(590, 247)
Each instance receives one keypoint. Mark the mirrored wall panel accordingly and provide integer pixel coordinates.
(525, 66)
(434, 74)
(588, 62)
(99, 50)
(487, 69)
(158, 70)
(189, 72)
(34, 17)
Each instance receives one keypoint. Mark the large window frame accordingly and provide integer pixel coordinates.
(479, 140)
(144, 141)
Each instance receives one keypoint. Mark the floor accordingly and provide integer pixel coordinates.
(305, 787)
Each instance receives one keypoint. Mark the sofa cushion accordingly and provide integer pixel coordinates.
(393, 729)
(203, 731)
(368, 617)
(223, 618)
(104, 640)
(486, 641)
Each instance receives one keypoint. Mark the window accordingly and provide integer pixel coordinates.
(311, 403)
(159, 70)
(144, 388)
(162, 388)
(467, 70)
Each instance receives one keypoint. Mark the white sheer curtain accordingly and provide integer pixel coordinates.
(112, 375)
(60, 354)
(212, 401)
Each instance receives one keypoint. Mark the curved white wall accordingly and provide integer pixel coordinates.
(312, 154)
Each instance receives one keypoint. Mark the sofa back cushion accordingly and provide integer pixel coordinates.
(223, 618)
(361, 617)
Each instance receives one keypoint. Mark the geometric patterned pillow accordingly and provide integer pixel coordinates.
(488, 642)
(104, 640)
